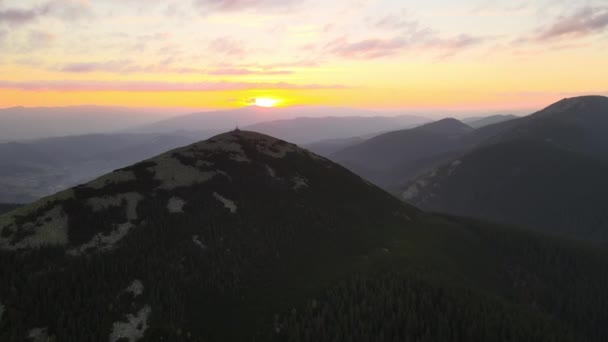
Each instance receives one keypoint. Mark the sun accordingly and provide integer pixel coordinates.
(266, 102)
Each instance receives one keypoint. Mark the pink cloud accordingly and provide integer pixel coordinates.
(369, 48)
(396, 22)
(22, 16)
(422, 40)
(110, 66)
(227, 46)
(239, 5)
(409, 35)
(62, 9)
(584, 22)
(239, 72)
(144, 86)
(164, 66)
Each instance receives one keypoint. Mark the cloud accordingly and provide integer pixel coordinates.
(408, 35)
(16, 16)
(300, 63)
(450, 46)
(583, 22)
(240, 5)
(421, 41)
(67, 10)
(86, 67)
(164, 66)
(368, 48)
(243, 72)
(494, 8)
(145, 86)
(247, 101)
(227, 46)
(396, 22)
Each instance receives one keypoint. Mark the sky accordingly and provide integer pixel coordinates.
(376, 54)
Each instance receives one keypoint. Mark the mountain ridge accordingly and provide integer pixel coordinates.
(527, 169)
(376, 158)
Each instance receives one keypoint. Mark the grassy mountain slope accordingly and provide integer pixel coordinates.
(521, 183)
(244, 237)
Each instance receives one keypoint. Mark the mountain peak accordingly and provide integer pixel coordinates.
(585, 98)
(237, 142)
(448, 125)
(577, 106)
(223, 174)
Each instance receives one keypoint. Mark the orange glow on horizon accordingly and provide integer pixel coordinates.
(316, 56)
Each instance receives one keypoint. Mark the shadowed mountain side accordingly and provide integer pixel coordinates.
(546, 171)
(380, 159)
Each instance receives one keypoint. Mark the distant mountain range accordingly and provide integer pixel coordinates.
(481, 121)
(390, 158)
(546, 171)
(21, 123)
(31, 169)
(298, 124)
(307, 130)
(244, 237)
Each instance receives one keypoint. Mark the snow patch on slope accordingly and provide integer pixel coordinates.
(411, 192)
(271, 172)
(134, 328)
(38, 335)
(199, 242)
(176, 205)
(103, 242)
(230, 205)
(299, 182)
(136, 288)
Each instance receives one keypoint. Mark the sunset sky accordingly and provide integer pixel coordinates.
(380, 54)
